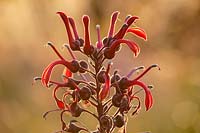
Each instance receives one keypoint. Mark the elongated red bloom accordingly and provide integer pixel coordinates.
(138, 31)
(48, 70)
(132, 45)
(124, 28)
(59, 103)
(104, 92)
(71, 21)
(99, 41)
(66, 22)
(87, 47)
(148, 96)
(112, 23)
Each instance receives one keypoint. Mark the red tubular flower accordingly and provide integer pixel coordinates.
(112, 23)
(59, 103)
(109, 53)
(73, 46)
(48, 70)
(124, 28)
(71, 21)
(139, 32)
(99, 42)
(104, 92)
(148, 96)
(87, 47)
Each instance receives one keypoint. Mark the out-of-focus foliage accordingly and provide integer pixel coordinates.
(173, 28)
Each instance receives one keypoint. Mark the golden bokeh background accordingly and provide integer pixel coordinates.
(173, 28)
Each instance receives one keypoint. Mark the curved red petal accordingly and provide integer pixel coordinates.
(44, 75)
(66, 22)
(59, 103)
(139, 32)
(132, 45)
(104, 92)
(86, 22)
(47, 72)
(112, 23)
(148, 96)
(66, 73)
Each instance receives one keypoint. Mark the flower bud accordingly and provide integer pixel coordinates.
(115, 78)
(75, 66)
(100, 76)
(85, 93)
(108, 54)
(116, 100)
(123, 83)
(106, 122)
(124, 105)
(73, 128)
(119, 121)
(75, 109)
(83, 66)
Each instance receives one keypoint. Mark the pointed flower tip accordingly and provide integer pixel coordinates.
(155, 65)
(60, 13)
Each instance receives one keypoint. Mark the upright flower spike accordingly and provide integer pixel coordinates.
(88, 50)
(65, 19)
(96, 91)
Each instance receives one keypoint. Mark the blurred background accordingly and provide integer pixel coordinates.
(173, 28)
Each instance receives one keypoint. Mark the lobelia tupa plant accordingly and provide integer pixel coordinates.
(96, 93)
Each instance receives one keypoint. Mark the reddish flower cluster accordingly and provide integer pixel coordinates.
(97, 93)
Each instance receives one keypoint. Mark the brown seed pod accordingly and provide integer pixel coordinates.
(75, 109)
(119, 121)
(83, 66)
(85, 93)
(75, 66)
(106, 122)
(116, 99)
(100, 76)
